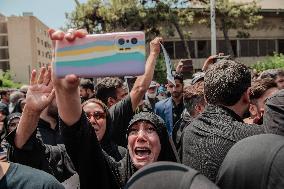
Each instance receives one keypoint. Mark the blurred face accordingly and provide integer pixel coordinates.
(83, 93)
(280, 82)
(120, 93)
(257, 108)
(13, 124)
(2, 116)
(143, 144)
(23, 103)
(176, 91)
(97, 118)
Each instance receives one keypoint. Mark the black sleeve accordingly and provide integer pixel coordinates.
(51, 159)
(85, 151)
(121, 114)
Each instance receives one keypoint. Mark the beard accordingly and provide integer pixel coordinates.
(52, 111)
(176, 94)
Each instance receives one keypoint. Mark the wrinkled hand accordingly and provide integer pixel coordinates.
(155, 46)
(40, 92)
(69, 82)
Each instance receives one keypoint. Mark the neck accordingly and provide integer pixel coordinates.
(177, 100)
(3, 169)
(238, 109)
(44, 116)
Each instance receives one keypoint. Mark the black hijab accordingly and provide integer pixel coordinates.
(106, 143)
(127, 169)
(254, 162)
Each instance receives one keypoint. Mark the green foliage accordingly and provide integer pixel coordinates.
(160, 74)
(232, 15)
(155, 17)
(272, 62)
(7, 81)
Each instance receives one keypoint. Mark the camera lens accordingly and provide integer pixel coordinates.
(134, 40)
(121, 41)
(127, 41)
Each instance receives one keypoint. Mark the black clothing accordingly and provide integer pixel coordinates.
(95, 166)
(51, 159)
(121, 113)
(209, 137)
(273, 117)
(165, 175)
(24, 177)
(179, 127)
(177, 111)
(254, 162)
(47, 134)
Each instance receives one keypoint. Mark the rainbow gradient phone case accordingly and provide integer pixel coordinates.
(110, 54)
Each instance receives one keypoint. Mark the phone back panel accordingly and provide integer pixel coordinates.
(111, 54)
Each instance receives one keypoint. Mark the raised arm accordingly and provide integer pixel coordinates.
(142, 83)
(66, 89)
(39, 95)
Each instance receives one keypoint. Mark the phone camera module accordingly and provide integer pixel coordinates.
(134, 40)
(127, 41)
(121, 41)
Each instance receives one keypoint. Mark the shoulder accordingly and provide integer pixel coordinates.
(163, 101)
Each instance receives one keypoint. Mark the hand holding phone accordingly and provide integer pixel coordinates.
(111, 54)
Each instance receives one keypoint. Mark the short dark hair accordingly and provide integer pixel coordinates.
(225, 82)
(259, 87)
(178, 77)
(107, 88)
(193, 95)
(87, 84)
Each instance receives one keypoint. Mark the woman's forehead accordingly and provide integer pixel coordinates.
(92, 106)
(142, 123)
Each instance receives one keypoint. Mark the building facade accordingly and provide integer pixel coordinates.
(264, 40)
(24, 45)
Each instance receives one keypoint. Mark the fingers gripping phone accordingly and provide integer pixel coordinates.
(110, 54)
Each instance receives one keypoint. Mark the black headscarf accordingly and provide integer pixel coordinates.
(166, 154)
(254, 162)
(273, 117)
(106, 143)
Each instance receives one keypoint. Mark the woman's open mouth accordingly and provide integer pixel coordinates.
(142, 152)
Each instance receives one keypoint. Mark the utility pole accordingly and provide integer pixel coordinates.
(213, 27)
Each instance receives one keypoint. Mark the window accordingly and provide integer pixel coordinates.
(221, 47)
(42, 42)
(266, 47)
(169, 46)
(42, 54)
(38, 52)
(39, 64)
(281, 46)
(180, 51)
(38, 40)
(248, 48)
(204, 48)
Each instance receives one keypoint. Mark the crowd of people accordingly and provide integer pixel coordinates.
(221, 130)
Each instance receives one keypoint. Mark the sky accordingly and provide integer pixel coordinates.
(50, 12)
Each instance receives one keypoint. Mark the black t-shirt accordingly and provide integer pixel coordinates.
(24, 177)
(121, 113)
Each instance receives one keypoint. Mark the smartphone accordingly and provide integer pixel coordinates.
(98, 55)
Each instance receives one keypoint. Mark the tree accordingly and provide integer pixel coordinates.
(153, 17)
(160, 74)
(232, 15)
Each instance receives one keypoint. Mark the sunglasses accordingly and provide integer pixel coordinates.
(96, 115)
